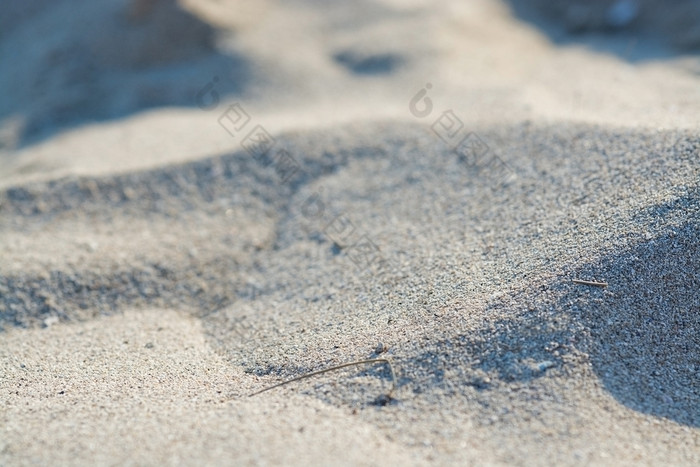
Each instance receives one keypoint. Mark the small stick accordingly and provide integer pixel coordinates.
(593, 283)
(338, 367)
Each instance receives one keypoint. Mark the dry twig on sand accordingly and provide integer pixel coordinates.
(593, 283)
(382, 401)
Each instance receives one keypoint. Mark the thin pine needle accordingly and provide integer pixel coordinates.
(592, 283)
(337, 367)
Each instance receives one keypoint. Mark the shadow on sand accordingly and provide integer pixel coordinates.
(641, 335)
(632, 30)
(129, 57)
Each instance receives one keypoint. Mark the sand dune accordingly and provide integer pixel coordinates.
(157, 267)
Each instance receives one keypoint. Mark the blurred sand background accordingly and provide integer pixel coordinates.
(153, 271)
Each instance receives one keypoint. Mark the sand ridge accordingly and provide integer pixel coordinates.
(489, 327)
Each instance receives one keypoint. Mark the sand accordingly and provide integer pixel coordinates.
(157, 267)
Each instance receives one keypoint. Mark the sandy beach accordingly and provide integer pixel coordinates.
(202, 199)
